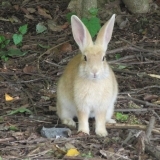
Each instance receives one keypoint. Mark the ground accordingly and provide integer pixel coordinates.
(28, 85)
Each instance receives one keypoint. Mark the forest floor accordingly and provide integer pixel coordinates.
(28, 85)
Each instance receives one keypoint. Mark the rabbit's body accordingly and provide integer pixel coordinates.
(88, 88)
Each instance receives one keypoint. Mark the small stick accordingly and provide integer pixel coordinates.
(129, 126)
(150, 127)
(140, 101)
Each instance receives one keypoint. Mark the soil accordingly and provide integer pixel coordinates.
(28, 85)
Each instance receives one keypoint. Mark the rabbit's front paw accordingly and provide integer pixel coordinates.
(111, 121)
(84, 130)
(69, 122)
(101, 132)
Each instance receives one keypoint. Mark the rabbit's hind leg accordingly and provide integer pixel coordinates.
(66, 114)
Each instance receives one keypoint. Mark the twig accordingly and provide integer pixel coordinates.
(156, 115)
(139, 90)
(120, 49)
(35, 111)
(140, 101)
(150, 127)
(129, 126)
(57, 65)
(136, 109)
(153, 151)
(48, 51)
(142, 49)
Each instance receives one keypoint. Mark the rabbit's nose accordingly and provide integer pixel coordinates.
(95, 74)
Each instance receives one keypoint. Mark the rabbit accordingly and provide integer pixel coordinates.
(88, 87)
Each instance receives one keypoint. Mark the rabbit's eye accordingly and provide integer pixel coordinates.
(103, 58)
(85, 58)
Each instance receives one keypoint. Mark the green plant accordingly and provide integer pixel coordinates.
(17, 38)
(20, 110)
(11, 53)
(3, 42)
(93, 23)
(121, 117)
(88, 155)
(68, 16)
(13, 128)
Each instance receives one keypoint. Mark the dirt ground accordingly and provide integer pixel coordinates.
(29, 82)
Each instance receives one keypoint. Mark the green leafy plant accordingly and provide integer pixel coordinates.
(92, 23)
(3, 42)
(20, 110)
(68, 16)
(11, 53)
(13, 128)
(121, 117)
(117, 56)
(88, 155)
(93, 11)
(17, 38)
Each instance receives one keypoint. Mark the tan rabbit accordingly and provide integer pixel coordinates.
(88, 87)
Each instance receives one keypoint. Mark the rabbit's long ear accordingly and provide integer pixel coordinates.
(80, 33)
(105, 33)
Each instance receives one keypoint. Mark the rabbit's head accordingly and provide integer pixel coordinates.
(93, 63)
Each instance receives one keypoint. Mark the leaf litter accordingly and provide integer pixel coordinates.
(134, 54)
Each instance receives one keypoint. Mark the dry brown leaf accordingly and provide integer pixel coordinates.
(43, 13)
(29, 16)
(31, 10)
(66, 47)
(149, 97)
(16, 7)
(65, 25)
(15, 19)
(53, 26)
(24, 10)
(29, 69)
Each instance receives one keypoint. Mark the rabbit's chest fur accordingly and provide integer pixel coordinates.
(92, 95)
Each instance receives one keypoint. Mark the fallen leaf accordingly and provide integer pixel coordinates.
(8, 97)
(43, 13)
(72, 152)
(29, 16)
(149, 97)
(51, 108)
(40, 28)
(4, 19)
(65, 25)
(31, 10)
(29, 69)
(24, 10)
(53, 26)
(66, 47)
(15, 19)
(16, 7)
